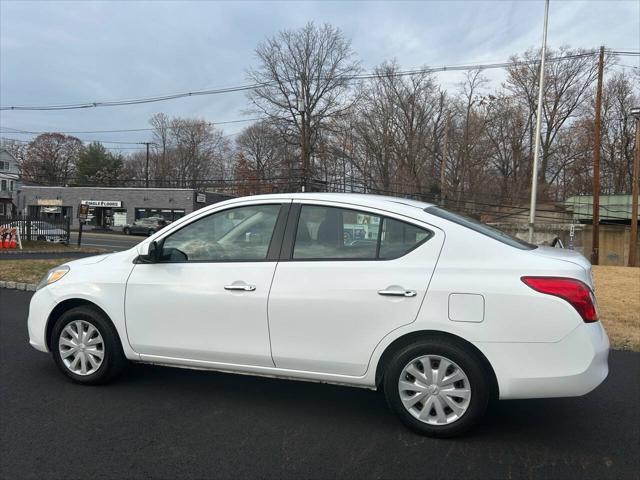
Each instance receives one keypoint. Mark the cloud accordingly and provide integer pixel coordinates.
(60, 52)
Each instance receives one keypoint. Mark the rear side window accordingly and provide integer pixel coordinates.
(336, 233)
(330, 233)
(480, 228)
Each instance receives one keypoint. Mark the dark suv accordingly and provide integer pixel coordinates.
(145, 226)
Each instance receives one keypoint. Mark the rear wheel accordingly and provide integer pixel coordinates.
(86, 347)
(151, 231)
(126, 231)
(437, 387)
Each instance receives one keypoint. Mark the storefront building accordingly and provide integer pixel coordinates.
(112, 207)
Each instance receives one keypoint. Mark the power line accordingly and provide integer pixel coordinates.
(254, 86)
(126, 130)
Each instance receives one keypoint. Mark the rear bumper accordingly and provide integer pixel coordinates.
(569, 368)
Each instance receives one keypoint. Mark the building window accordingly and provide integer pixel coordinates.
(11, 186)
(3, 185)
(4, 165)
(166, 213)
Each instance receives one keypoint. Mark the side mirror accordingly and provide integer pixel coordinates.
(150, 252)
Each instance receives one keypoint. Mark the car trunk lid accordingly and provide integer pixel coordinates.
(566, 255)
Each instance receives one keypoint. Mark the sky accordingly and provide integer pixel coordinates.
(67, 52)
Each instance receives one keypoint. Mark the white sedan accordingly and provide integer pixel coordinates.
(440, 312)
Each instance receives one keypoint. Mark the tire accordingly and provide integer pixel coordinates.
(440, 422)
(151, 231)
(62, 338)
(126, 231)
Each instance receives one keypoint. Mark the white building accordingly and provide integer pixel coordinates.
(9, 180)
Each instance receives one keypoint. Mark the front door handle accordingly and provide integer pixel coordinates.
(240, 286)
(397, 292)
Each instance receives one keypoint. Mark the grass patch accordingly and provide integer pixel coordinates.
(35, 246)
(27, 271)
(618, 294)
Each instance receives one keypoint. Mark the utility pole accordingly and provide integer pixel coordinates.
(595, 239)
(443, 163)
(633, 232)
(146, 168)
(303, 136)
(536, 148)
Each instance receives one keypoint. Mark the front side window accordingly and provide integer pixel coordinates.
(238, 234)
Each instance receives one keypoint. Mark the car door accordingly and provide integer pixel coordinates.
(206, 299)
(346, 278)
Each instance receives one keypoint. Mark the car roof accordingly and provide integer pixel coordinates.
(365, 199)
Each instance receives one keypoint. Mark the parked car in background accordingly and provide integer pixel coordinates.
(145, 226)
(440, 312)
(40, 230)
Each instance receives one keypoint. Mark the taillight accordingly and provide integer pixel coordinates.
(578, 294)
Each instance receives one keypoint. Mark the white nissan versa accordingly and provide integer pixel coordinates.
(440, 312)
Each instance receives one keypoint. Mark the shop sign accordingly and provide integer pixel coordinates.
(49, 202)
(83, 211)
(102, 203)
(201, 198)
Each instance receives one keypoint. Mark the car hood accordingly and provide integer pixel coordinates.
(89, 260)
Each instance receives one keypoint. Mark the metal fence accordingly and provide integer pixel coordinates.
(31, 228)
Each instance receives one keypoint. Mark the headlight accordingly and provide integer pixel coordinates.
(53, 276)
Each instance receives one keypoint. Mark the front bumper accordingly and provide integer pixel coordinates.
(40, 307)
(570, 367)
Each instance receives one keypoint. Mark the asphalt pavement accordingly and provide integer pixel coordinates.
(160, 422)
(110, 241)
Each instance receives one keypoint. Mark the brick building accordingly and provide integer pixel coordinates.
(112, 207)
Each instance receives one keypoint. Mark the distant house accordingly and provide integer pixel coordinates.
(614, 209)
(9, 181)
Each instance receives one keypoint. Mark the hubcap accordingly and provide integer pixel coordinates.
(81, 347)
(434, 390)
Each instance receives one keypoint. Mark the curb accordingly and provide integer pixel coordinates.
(29, 287)
(48, 252)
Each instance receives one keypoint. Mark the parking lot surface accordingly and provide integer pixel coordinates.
(158, 422)
(109, 241)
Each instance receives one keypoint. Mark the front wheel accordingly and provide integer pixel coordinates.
(86, 347)
(437, 387)
(126, 231)
(151, 231)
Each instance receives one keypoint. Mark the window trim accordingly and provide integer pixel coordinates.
(289, 239)
(273, 249)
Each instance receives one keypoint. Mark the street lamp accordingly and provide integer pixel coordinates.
(633, 233)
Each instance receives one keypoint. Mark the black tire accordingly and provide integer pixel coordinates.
(126, 231)
(113, 357)
(465, 358)
(151, 231)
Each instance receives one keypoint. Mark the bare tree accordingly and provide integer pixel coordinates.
(162, 148)
(303, 78)
(260, 145)
(50, 159)
(567, 87)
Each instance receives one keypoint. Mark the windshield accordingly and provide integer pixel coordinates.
(480, 227)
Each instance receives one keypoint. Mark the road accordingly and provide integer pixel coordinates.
(159, 422)
(111, 241)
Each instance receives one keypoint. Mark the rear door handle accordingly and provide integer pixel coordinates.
(397, 292)
(240, 286)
